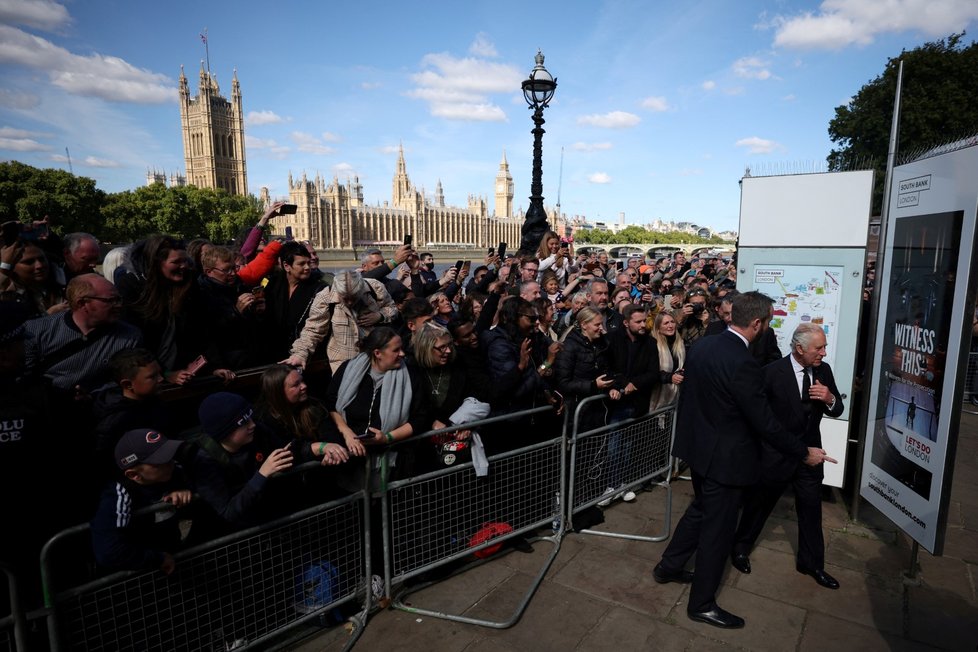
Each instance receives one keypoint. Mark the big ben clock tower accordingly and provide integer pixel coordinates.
(504, 190)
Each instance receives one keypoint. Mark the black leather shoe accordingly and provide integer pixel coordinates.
(664, 577)
(741, 562)
(823, 578)
(717, 617)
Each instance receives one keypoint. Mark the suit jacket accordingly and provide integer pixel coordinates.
(781, 387)
(724, 414)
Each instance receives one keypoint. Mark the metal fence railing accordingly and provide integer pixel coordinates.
(609, 459)
(263, 586)
(971, 384)
(451, 514)
(235, 592)
(13, 627)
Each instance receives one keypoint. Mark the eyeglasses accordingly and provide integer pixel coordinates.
(531, 269)
(227, 272)
(115, 301)
(530, 317)
(444, 348)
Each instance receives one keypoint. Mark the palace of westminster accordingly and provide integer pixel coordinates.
(332, 215)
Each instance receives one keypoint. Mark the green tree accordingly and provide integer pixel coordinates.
(28, 193)
(938, 104)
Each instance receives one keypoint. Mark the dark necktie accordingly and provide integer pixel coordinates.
(806, 385)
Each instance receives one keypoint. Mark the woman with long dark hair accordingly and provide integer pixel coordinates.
(26, 279)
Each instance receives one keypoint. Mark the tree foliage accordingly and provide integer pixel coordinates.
(938, 104)
(76, 204)
(638, 235)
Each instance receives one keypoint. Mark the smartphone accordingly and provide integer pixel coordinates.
(287, 209)
(366, 435)
(645, 278)
(294, 446)
(667, 300)
(408, 239)
(11, 231)
(458, 265)
(620, 265)
(288, 234)
(197, 364)
(492, 250)
(502, 250)
(565, 245)
(258, 292)
(466, 266)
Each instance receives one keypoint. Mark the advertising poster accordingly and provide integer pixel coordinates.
(926, 296)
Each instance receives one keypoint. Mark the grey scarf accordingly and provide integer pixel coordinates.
(395, 392)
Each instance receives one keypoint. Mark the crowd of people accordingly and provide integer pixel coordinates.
(87, 344)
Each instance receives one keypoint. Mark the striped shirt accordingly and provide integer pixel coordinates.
(88, 363)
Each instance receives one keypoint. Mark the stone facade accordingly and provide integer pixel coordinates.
(334, 216)
(213, 135)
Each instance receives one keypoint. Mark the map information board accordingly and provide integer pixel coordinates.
(802, 294)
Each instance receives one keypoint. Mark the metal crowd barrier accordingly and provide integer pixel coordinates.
(618, 457)
(13, 628)
(444, 516)
(970, 380)
(241, 591)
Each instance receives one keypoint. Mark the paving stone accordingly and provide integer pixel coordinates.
(457, 593)
(852, 551)
(779, 534)
(862, 598)
(961, 544)
(621, 630)
(490, 645)
(938, 617)
(771, 624)
(824, 632)
(949, 574)
(621, 579)
(430, 634)
(556, 619)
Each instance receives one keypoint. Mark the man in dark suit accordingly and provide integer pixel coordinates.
(799, 404)
(723, 415)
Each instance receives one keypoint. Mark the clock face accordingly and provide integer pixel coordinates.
(500, 187)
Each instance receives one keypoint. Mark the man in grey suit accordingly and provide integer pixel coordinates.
(801, 389)
(723, 416)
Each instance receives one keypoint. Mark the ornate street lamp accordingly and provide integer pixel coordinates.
(538, 90)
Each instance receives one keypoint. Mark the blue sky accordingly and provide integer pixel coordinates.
(659, 106)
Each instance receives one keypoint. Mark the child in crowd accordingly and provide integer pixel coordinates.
(132, 402)
(231, 469)
(122, 540)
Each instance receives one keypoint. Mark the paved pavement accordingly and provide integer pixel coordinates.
(599, 593)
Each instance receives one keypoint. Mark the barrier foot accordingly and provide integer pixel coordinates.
(398, 602)
(637, 537)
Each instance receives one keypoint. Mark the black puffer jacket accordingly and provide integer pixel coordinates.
(579, 364)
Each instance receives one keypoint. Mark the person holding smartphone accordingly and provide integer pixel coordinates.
(374, 400)
(554, 255)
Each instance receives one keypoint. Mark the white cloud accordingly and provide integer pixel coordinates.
(95, 75)
(751, 68)
(757, 145)
(389, 149)
(59, 158)
(330, 137)
(369, 86)
(310, 144)
(599, 177)
(482, 46)
(11, 132)
(655, 104)
(790, 97)
(273, 148)
(344, 169)
(460, 89)
(255, 118)
(612, 120)
(42, 14)
(708, 85)
(18, 100)
(590, 147)
(91, 161)
(841, 23)
(23, 145)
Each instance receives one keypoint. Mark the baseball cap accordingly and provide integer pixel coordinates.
(144, 446)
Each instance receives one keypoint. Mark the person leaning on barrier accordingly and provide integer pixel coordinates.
(342, 316)
(723, 416)
(289, 296)
(672, 357)
(470, 357)
(374, 400)
(232, 315)
(231, 469)
(581, 367)
(123, 540)
(509, 354)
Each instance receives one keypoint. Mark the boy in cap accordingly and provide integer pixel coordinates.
(122, 540)
(230, 470)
